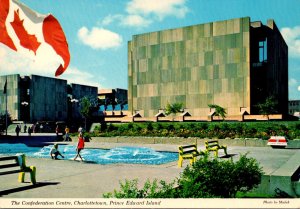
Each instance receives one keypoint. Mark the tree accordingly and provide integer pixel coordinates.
(173, 108)
(219, 111)
(269, 106)
(88, 105)
(3, 121)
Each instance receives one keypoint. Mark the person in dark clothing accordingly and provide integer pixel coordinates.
(17, 130)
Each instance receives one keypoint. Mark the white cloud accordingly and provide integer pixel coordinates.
(141, 13)
(292, 38)
(158, 8)
(12, 62)
(293, 82)
(99, 38)
(135, 21)
(74, 75)
(110, 19)
(126, 20)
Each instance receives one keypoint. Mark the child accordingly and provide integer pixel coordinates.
(54, 152)
(80, 146)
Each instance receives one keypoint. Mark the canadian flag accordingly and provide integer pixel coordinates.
(27, 31)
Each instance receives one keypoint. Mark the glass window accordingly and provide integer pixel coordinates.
(263, 52)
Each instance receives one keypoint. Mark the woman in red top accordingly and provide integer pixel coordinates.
(80, 146)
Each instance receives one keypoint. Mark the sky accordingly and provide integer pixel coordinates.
(97, 32)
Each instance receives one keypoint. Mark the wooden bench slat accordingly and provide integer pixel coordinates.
(9, 165)
(215, 147)
(188, 151)
(212, 146)
(213, 141)
(9, 172)
(8, 158)
(188, 146)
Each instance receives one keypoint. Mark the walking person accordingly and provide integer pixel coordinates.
(41, 128)
(25, 128)
(67, 130)
(80, 146)
(29, 131)
(57, 130)
(80, 129)
(17, 130)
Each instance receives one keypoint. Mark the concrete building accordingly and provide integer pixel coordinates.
(36, 98)
(110, 96)
(234, 63)
(113, 103)
(47, 98)
(294, 107)
(78, 92)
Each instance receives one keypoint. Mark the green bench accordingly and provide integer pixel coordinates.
(214, 146)
(17, 164)
(188, 152)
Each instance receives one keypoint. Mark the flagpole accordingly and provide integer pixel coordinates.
(6, 109)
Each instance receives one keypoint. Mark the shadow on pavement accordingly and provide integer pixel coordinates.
(24, 188)
(228, 156)
(31, 141)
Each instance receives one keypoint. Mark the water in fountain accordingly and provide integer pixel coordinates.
(8, 149)
(133, 155)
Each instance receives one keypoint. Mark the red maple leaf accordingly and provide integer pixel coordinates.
(4, 36)
(26, 40)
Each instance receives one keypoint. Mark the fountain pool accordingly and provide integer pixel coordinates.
(129, 155)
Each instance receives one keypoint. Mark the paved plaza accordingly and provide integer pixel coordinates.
(74, 179)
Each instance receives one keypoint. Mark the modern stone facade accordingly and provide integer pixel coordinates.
(79, 91)
(111, 96)
(234, 63)
(48, 98)
(12, 97)
(38, 98)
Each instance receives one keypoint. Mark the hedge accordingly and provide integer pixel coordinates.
(221, 130)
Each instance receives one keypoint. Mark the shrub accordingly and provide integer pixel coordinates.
(214, 127)
(122, 129)
(247, 173)
(219, 178)
(170, 127)
(203, 126)
(138, 128)
(205, 178)
(150, 126)
(103, 126)
(220, 130)
(297, 126)
(159, 127)
(130, 126)
(111, 127)
(250, 131)
(130, 189)
(192, 126)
